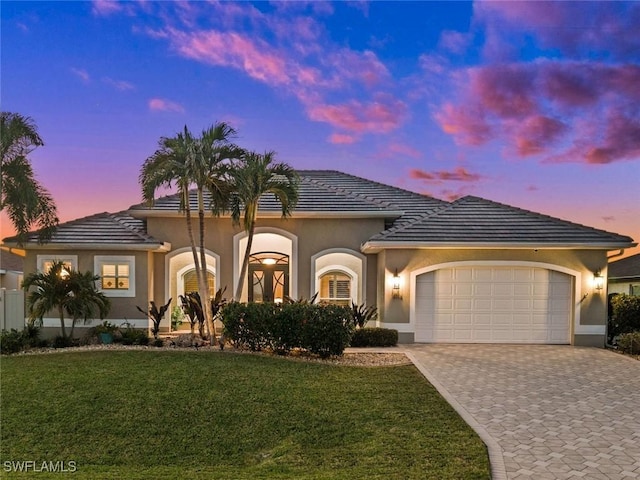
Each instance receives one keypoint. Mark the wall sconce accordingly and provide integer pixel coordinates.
(395, 291)
(598, 281)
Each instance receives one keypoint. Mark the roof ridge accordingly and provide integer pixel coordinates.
(410, 223)
(144, 235)
(537, 214)
(377, 183)
(345, 192)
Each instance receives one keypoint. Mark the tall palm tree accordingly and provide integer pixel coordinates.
(67, 291)
(27, 202)
(200, 162)
(255, 176)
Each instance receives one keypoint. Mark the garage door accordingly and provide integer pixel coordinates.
(493, 305)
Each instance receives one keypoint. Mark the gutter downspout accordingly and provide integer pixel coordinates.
(606, 332)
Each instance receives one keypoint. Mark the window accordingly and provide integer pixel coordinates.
(634, 289)
(46, 261)
(335, 287)
(117, 275)
(190, 280)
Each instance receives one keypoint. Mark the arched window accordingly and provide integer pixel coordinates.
(190, 280)
(335, 287)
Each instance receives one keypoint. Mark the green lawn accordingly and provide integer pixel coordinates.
(212, 415)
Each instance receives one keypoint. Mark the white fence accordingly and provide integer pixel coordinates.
(11, 309)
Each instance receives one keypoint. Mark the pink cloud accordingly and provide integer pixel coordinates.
(380, 116)
(164, 105)
(256, 59)
(364, 67)
(533, 107)
(106, 7)
(118, 84)
(82, 74)
(606, 28)
(459, 174)
(454, 42)
(342, 139)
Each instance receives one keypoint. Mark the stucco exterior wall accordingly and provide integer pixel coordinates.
(313, 236)
(590, 303)
(122, 308)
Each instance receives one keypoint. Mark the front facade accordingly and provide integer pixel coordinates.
(624, 276)
(469, 271)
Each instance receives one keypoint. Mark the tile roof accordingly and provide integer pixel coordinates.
(471, 220)
(105, 229)
(411, 219)
(313, 197)
(10, 262)
(626, 268)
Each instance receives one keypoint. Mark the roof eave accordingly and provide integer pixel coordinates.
(147, 213)
(378, 246)
(152, 247)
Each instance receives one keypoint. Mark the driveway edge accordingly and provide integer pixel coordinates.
(498, 470)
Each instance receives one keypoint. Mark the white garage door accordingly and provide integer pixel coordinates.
(493, 305)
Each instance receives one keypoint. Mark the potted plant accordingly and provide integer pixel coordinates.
(104, 331)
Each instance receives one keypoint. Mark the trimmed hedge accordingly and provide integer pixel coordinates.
(324, 330)
(374, 337)
(629, 343)
(625, 315)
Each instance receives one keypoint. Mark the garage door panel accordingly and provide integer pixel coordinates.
(486, 304)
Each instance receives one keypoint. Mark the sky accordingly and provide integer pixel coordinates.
(535, 105)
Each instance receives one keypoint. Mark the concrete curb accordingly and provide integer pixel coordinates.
(498, 470)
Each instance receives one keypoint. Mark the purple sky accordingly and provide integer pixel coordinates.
(532, 104)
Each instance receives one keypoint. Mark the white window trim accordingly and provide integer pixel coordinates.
(72, 259)
(339, 269)
(98, 260)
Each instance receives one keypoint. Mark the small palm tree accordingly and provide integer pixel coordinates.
(255, 176)
(66, 291)
(201, 162)
(27, 202)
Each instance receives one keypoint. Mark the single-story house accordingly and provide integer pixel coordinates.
(11, 266)
(624, 275)
(471, 270)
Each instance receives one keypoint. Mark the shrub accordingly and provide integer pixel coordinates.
(11, 341)
(157, 342)
(286, 328)
(14, 341)
(374, 337)
(361, 314)
(625, 315)
(248, 325)
(133, 336)
(629, 343)
(327, 331)
(324, 330)
(64, 342)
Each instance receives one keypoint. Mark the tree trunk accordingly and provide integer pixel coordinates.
(245, 263)
(61, 313)
(202, 280)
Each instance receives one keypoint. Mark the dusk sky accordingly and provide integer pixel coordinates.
(536, 105)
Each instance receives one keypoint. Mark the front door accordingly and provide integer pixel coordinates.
(268, 277)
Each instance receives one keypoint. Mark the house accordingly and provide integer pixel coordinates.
(471, 270)
(624, 275)
(10, 270)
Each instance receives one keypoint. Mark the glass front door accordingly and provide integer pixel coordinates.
(268, 277)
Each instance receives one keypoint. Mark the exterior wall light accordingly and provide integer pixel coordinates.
(395, 290)
(598, 281)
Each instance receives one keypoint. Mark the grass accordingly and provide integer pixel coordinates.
(197, 415)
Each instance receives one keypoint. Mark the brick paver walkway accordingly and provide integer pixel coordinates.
(545, 412)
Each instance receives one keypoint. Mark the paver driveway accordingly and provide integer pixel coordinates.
(545, 412)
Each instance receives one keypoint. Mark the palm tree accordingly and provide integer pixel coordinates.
(256, 176)
(67, 291)
(27, 202)
(201, 162)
